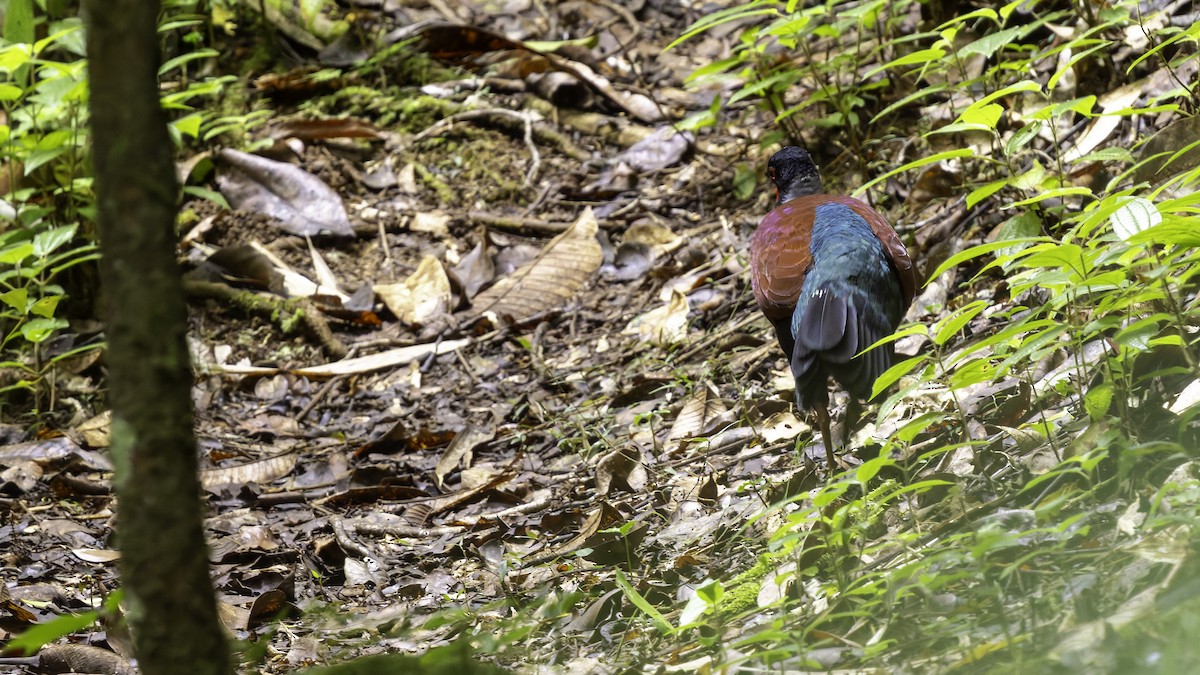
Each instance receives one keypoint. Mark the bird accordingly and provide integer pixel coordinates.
(833, 277)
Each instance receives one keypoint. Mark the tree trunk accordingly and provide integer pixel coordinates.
(164, 564)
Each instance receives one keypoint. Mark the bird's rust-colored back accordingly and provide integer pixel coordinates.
(781, 252)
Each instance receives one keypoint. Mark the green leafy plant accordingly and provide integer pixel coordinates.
(1048, 384)
(31, 297)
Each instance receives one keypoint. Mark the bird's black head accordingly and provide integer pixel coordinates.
(794, 174)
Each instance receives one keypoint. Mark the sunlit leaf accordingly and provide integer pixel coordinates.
(37, 330)
(984, 191)
(45, 306)
(1097, 400)
(17, 298)
(18, 21)
(45, 243)
(897, 371)
(16, 254)
(952, 324)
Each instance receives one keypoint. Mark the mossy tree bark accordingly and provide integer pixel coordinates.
(164, 564)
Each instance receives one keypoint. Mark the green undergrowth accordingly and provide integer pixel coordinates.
(1032, 488)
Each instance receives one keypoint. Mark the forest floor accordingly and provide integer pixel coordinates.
(529, 402)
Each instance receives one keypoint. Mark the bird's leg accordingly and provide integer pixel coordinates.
(822, 411)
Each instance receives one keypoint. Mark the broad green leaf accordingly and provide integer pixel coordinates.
(1059, 256)
(588, 41)
(46, 306)
(911, 329)
(984, 191)
(16, 254)
(952, 324)
(922, 56)
(17, 298)
(984, 116)
(1077, 55)
(892, 375)
(75, 352)
(59, 38)
(712, 592)
(1134, 215)
(18, 21)
(780, 79)
(918, 486)
(1112, 154)
(1138, 334)
(915, 96)
(989, 44)
(39, 157)
(971, 373)
(1021, 137)
(14, 56)
(871, 468)
(37, 330)
(45, 243)
(177, 23)
(1031, 179)
(1083, 106)
(9, 92)
(205, 193)
(189, 124)
(995, 344)
(918, 425)
(1173, 230)
(695, 608)
(1032, 346)
(1016, 88)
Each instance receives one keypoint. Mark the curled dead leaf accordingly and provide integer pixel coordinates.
(422, 297)
(665, 325)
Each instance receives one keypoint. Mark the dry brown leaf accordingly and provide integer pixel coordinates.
(95, 432)
(620, 468)
(458, 453)
(549, 280)
(263, 471)
(70, 658)
(665, 325)
(659, 237)
(422, 297)
(301, 202)
(603, 516)
(476, 269)
(697, 414)
(49, 450)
